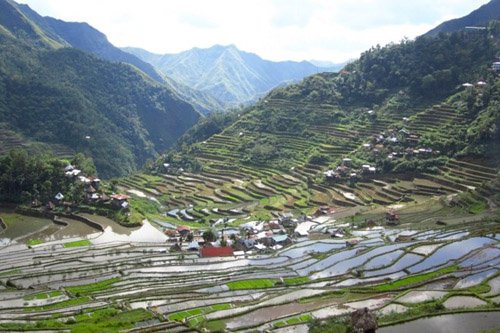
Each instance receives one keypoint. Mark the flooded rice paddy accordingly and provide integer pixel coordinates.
(303, 282)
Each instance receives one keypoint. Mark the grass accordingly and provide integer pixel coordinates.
(296, 280)
(412, 280)
(46, 295)
(109, 320)
(32, 242)
(251, 284)
(82, 242)
(59, 305)
(215, 326)
(293, 320)
(87, 289)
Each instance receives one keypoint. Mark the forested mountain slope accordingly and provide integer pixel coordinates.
(57, 94)
(395, 81)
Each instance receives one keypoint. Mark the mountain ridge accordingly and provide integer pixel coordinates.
(227, 73)
(480, 16)
(56, 94)
(83, 36)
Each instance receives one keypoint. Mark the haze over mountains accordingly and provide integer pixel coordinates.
(226, 73)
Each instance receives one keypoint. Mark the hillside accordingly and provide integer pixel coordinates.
(226, 73)
(61, 95)
(399, 110)
(479, 17)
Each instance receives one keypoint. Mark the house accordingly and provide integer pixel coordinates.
(391, 217)
(73, 173)
(69, 167)
(222, 251)
(193, 246)
(285, 217)
(281, 240)
(120, 200)
(58, 197)
(346, 162)
(352, 242)
(467, 85)
(95, 182)
(496, 66)
(183, 230)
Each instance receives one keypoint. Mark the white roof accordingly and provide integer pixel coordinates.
(84, 179)
(59, 196)
(303, 228)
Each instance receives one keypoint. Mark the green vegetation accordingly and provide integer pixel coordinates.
(265, 283)
(251, 284)
(82, 242)
(415, 279)
(109, 320)
(32, 242)
(61, 95)
(45, 295)
(332, 325)
(293, 321)
(296, 280)
(59, 305)
(26, 176)
(92, 287)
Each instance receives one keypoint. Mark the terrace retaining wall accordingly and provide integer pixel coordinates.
(55, 217)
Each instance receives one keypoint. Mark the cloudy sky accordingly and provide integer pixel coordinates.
(331, 30)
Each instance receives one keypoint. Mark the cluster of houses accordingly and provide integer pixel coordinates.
(256, 236)
(92, 193)
(346, 171)
(268, 236)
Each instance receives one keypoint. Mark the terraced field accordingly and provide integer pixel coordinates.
(138, 286)
(230, 187)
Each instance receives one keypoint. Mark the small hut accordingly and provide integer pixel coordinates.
(364, 321)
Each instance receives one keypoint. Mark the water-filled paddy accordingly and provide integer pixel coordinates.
(453, 323)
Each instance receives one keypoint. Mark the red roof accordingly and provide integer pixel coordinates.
(120, 197)
(216, 251)
(183, 228)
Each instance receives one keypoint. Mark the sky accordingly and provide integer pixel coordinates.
(328, 30)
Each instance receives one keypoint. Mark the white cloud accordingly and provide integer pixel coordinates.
(274, 29)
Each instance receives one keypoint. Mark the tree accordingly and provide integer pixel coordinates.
(209, 236)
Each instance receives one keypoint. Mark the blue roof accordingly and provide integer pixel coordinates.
(280, 238)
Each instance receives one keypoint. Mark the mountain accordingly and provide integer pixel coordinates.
(84, 37)
(57, 94)
(226, 73)
(479, 17)
(315, 123)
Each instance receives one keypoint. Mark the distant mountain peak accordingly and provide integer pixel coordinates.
(227, 73)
